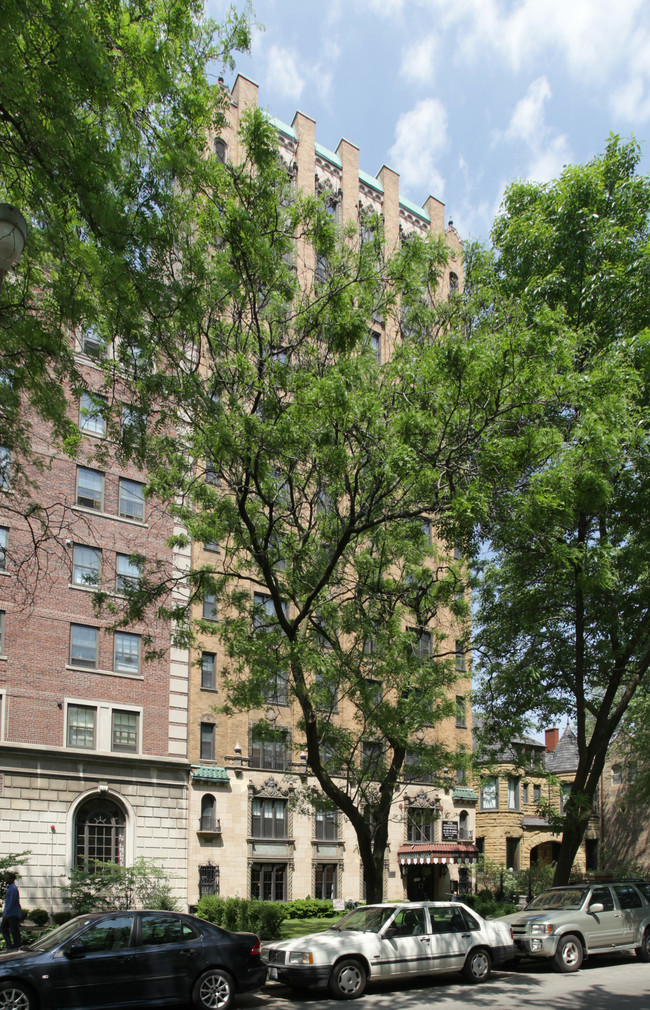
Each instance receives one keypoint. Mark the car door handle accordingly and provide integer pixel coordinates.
(186, 953)
(466, 936)
(425, 939)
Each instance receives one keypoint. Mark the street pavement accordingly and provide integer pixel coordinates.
(603, 983)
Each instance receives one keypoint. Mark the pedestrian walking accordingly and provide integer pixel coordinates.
(11, 915)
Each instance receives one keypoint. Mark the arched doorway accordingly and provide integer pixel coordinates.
(99, 833)
(545, 853)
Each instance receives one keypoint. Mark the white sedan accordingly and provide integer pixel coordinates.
(392, 941)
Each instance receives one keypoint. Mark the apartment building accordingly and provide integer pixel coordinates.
(93, 736)
(247, 834)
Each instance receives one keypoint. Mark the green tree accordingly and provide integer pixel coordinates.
(104, 113)
(328, 481)
(564, 619)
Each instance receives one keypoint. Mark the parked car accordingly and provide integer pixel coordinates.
(567, 924)
(131, 958)
(391, 941)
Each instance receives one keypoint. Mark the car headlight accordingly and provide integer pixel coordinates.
(541, 928)
(300, 957)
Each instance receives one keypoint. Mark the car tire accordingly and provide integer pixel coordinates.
(643, 952)
(569, 953)
(213, 990)
(348, 979)
(15, 996)
(478, 966)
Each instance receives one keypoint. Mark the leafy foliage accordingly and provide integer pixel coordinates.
(244, 914)
(564, 619)
(105, 887)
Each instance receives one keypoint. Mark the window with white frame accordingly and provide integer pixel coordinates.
(90, 488)
(91, 343)
(208, 671)
(84, 646)
(128, 573)
(490, 793)
(92, 414)
(100, 826)
(86, 565)
(124, 731)
(207, 741)
(81, 726)
(4, 535)
(131, 500)
(127, 652)
(460, 656)
(208, 813)
(513, 793)
(210, 607)
(5, 467)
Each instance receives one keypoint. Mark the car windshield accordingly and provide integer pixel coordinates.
(368, 919)
(561, 897)
(49, 941)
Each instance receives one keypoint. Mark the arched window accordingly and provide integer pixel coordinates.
(464, 834)
(208, 813)
(220, 149)
(99, 833)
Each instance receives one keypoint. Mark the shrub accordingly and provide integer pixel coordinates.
(61, 917)
(211, 908)
(310, 908)
(107, 887)
(39, 916)
(244, 914)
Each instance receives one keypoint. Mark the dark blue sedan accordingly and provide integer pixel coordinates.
(128, 959)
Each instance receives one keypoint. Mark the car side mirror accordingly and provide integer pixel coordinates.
(596, 907)
(76, 950)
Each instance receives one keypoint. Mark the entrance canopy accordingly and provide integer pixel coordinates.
(437, 852)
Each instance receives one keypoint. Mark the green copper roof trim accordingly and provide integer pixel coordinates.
(370, 180)
(465, 793)
(283, 128)
(210, 773)
(414, 209)
(328, 155)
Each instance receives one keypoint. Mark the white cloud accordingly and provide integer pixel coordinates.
(420, 139)
(545, 153)
(384, 8)
(282, 73)
(418, 61)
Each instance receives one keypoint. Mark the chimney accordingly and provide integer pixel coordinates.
(552, 737)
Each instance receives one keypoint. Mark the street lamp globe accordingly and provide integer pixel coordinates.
(13, 235)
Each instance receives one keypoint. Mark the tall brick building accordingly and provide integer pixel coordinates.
(93, 738)
(246, 836)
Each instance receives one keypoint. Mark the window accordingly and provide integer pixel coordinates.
(211, 545)
(208, 813)
(628, 896)
(2, 632)
(513, 794)
(211, 475)
(5, 467)
(99, 834)
(490, 793)
(524, 793)
(207, 741)
(127, 652)
(603, 895)
(325, 881)
(375, 346)
(4, 532)
(422, 645)
(131, 504)
(326, 694)
(372, 754)
(464, 833)
(421, 823)
(263, 611)
(269, 881)
(220, 150)
(124, 731)
(453, 282)
(460, 776)
(208, 879)
(617, 775)
(81, 726)
(92, 414)
(84, 643)
(86, 565)
(460, 656)
(127, 573)
(512, 853)
(208, 671)
(90, 488)
(278, 691)
(537, 793)
(268, 818)
(210, 607)
(461, 722)
(160, 928)
(427, 531)
(269, 753)
(91, 343)
(565, 792)
(326, 825)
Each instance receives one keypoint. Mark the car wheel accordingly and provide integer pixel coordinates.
(643, 952)
(213, 990)
(348, 979)
(477, 966)
(568, 956)
(14, 996)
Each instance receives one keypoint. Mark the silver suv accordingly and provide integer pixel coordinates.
(569, 923)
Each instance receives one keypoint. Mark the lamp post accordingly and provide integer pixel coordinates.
(13, 235)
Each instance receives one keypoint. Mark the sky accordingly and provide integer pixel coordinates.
(460, 97)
